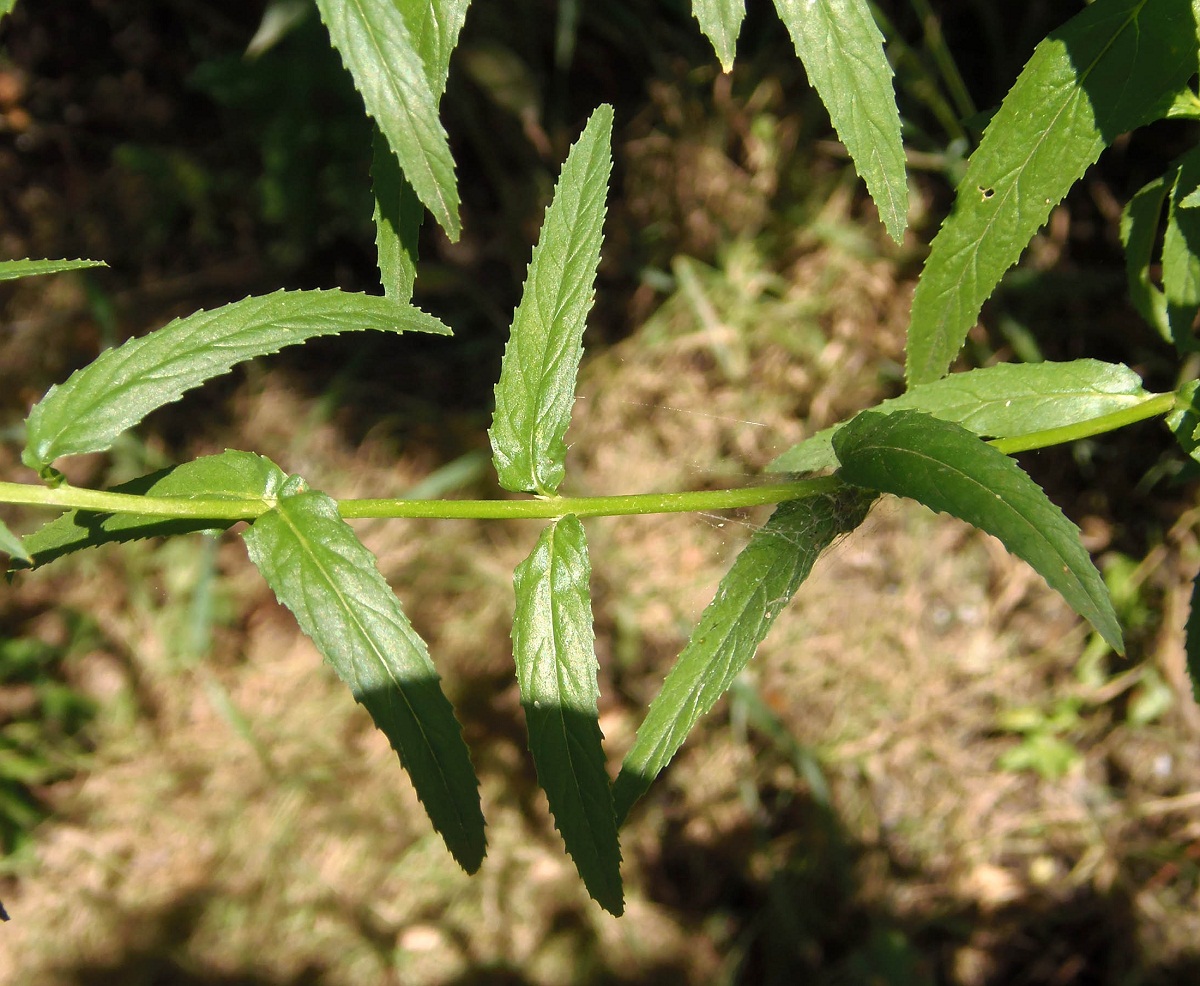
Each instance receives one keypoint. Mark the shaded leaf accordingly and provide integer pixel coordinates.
(12, 269)
(761, 582)
(842, 50)
(1115, 66)
(948, 469)
(11, 545)
(231, 475)
(319, 570)
(721, 22)
(1181, 255)
(123, 385)
(6, 7)
(378, 50)
(1007, 400)
(1192, 639)
(1140, 222)
(537, 378)
(1184, 419)
(553, 645)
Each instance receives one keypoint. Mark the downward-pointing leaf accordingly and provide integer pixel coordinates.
(945, 467)
(1140, 223)
(323, 574)
(721, 22)
(1007, 400)
(233, 476)
(12, 269)
(1114, 66)
(377, 48)
(6, 7)
(842, 51)
(11, 545)
(124, 384)
(434, 26)
(556, 671)
(762, 581)
(537, 378)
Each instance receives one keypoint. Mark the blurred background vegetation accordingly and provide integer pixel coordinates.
(966, 789)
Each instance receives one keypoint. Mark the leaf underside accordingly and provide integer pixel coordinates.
(762, 580)
(1115, 66)
(319, 570)
(553, 646)
(11, 545)
(945, 467)
(122, 385)
(12, 269)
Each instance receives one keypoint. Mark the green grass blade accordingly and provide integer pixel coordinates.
(537, 378)
(1007, 400)
(319, 570)
(1181, 255)
(842, 50)
(390, 74)
(123, 385)
(230, 475)
(1140, 222)
(11, 545)
(12, 269)
(553, 645)
(1113, 67)
(762, 580)
(721, 22)
(948, 469)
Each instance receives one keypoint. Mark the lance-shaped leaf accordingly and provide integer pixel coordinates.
(1116, 65)
(11, 545)
(319, 570)
(1192, 640)
(377, 48)
(721, 22)
(123, 385)
(556, 671)
(1181, 254)
(761, 582)
(434, 28)
(1007, 400)
(537, 378)
(1140, 221)
(6, 7)
(948, 469)
(12, 269)
(842, 50)
(1184, 419)
(237, 477)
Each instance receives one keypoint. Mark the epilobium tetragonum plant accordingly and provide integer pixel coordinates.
(1116, 66)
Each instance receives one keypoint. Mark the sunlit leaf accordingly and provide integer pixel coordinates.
(945, 467)
(1140, 222)
(12, 269)
(319, 570)
(6, 6)
(556, 672)
(537, 378)
(721, 22)
(123, 385)
(1007, 400)
(1115, 66)
(842, 51)
(390, 74)
(761, 582)
(11, 545)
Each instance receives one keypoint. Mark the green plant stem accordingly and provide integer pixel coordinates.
(1152, 407)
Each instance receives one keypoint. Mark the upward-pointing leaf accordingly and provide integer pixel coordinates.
(556, 671)
(1114, 66)
(377, 48)
(124, 384)
(721, 22)
(321, 572)
(762, 581)
(12, 269)
(537, 379)
(842, 51)
(945, 467)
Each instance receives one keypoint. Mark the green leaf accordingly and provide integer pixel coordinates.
(537, 378)
(230, 475)
(554, 650)
(1193, 640)
(319, 570)
(1140, 221)
(1184, 420)
(434, 26)
(123, 385)
(390, 74)
(1007, 400)
(761, 582)
(842, 51)
(721, 22)
(948, 469)
(1181, 255)
(11, 545)
(6, 7)
(1114, 66)
(12, 269)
